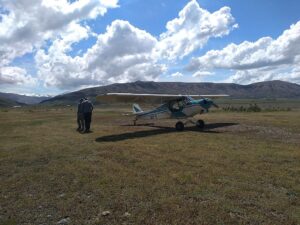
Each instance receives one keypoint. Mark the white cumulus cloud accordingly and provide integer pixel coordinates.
(192, 29)
(25, 26)
(264, 59)
(202, 73)
(177, 74)
(123, 53)
(15, 75)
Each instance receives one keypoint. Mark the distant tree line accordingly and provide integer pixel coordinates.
(253, 108)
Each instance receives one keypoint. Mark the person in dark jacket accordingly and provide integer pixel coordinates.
(80, 116)
(87, 112)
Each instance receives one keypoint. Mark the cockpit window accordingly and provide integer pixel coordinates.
(178, 105)
(189, 99)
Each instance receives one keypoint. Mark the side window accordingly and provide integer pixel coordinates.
(173, 106)
(176, 106)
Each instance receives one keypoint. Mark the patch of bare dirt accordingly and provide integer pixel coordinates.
(277, 133)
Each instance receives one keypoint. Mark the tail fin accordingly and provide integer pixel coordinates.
(136, 109)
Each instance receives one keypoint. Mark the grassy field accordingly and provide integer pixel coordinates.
(244, 168)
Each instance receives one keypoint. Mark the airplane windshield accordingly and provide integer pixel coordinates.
(189, 99)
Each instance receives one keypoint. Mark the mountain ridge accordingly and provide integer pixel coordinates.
(5, 102)
(267, 89)
(22, 99)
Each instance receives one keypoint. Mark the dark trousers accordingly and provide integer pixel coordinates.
(87, 120)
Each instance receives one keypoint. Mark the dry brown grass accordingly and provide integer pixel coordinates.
(243, 169)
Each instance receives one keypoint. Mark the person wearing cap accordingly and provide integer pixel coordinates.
(87, 113)
(80, 116)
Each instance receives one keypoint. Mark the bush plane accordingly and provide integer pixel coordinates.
(179, 107)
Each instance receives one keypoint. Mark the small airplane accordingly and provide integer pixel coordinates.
(179, 107)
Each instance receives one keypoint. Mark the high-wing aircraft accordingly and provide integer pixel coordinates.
(179, 107)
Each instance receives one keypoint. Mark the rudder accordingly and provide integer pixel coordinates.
(136, 109)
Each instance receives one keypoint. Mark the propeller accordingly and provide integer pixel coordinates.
(211, 102)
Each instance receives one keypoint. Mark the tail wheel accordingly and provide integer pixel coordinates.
(179, 126)
(200, 124)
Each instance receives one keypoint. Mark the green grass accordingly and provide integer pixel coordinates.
(243, 169)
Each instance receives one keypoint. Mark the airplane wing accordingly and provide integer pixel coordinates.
(209, 96)
(134, 97)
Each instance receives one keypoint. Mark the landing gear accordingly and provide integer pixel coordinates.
(200, 124)
(179, 126)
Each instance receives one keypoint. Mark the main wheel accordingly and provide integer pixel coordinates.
(200, 124)
(179, 126)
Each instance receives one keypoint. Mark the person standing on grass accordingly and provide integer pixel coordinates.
(87, 112)
(80, 116)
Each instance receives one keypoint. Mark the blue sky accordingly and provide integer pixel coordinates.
(98, 42)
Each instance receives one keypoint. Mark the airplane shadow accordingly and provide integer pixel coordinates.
(160, 130)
